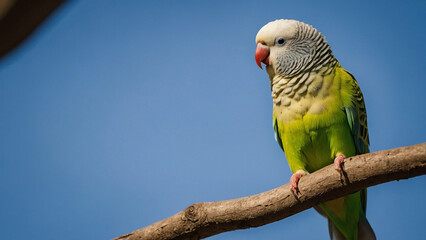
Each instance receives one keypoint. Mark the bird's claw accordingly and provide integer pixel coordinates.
(294, 182)
(338, 164)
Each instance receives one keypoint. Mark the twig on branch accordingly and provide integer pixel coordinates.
(202, 220)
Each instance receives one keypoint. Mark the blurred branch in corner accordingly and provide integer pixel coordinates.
(19, 18)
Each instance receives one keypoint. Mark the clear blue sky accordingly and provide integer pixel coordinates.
(115, 115)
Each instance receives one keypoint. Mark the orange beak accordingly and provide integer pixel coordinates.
(262, 55)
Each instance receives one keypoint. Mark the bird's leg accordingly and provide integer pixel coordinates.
(294, 181)
(338, 164)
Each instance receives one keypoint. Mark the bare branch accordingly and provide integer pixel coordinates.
(19, 18)
(202, 220)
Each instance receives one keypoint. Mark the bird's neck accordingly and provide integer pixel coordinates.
(286, 90)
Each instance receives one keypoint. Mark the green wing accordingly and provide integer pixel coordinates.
(277, 132)
(357, 119)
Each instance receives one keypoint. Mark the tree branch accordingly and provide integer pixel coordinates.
(202, 220)
(19, 18)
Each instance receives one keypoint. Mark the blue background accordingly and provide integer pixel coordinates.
(115, 115)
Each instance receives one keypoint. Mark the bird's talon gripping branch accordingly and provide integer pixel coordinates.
(338, 164)
(294, 181)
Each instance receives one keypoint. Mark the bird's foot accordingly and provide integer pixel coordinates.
(294, 181)
(338, 164)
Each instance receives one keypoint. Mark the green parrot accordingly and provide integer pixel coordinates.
(319, 115)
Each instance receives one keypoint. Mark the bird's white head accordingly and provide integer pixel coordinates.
(289, 47)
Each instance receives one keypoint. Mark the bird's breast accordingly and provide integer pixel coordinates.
(309, 93)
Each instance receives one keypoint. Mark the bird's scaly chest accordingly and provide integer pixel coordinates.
(308, 94)
(305, 110)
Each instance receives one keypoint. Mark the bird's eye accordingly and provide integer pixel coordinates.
(279, 41)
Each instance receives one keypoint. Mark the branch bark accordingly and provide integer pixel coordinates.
(202, 220)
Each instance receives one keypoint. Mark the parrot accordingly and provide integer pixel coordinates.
(319, 115)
